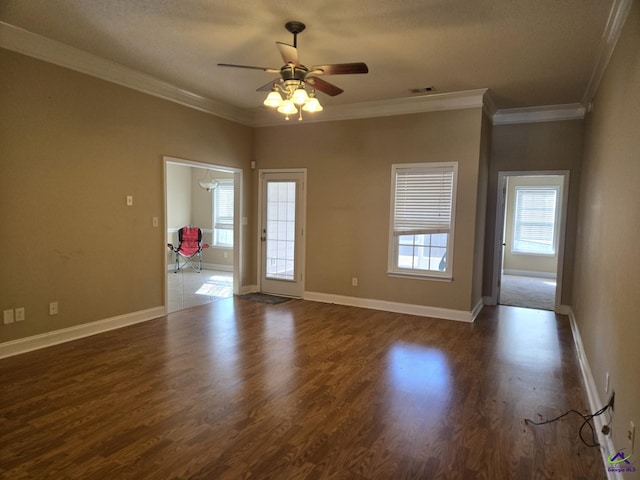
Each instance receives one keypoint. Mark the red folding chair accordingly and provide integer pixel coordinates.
(189, 247)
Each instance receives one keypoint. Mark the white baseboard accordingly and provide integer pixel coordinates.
(490, 300)
(35, 342)
(217, 266)
(409, 309)
(563, 309)
(528, 273)
(477, 309)
(593, 397)
(245, 289)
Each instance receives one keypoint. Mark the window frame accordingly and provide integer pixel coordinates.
(554, 236)
(393, 268)
(223, 183)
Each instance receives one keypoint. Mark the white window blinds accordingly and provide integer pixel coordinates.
(535, 219)
(423, 199)
(223, 205)
(223, 213)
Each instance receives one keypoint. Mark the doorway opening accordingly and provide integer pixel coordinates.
(207, 197)
(530, 224)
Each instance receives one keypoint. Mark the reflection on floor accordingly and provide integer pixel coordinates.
(528, 292)
(188, 288)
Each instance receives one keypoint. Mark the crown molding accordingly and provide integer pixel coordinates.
(617, 17)
(548, 113)
(34, 45)
(382, 108)
(489, 106)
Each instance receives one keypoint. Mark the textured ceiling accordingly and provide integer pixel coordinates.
(527, 52)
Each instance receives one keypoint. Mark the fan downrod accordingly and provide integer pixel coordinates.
(295, 28)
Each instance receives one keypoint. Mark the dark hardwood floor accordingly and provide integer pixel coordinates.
(301, 390)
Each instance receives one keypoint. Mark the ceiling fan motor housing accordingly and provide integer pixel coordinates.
(290, 72)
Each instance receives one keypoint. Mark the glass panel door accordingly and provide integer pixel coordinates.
(281, 233)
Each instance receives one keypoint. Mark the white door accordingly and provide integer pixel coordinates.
(281, 232)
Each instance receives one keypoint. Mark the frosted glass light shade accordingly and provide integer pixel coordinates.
(312, 105)
(273, 99)
(208, 185)
(288, 108)
(300, 96)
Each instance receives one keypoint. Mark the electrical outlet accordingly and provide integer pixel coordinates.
(354, 282)
(53, 308)
(129, 200)
(20, 314)
(7, 317)
(631, 436)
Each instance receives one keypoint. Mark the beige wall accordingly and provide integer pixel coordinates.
(481, 208)
(349, 180)
(178, 196)
(72, 148)
(534, 264)
(536, 147)
(607, 267)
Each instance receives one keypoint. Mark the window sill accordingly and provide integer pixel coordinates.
(420, 276)
(531, 254)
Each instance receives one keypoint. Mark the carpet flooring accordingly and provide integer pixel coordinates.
(528, 292)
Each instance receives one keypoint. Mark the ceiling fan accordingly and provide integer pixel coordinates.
(289, 91)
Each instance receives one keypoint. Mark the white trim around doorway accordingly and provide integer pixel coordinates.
(499, 231)
(238, 219)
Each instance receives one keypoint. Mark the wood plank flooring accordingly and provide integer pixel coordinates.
(301, 390)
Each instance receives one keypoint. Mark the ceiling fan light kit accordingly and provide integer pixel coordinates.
(288, 97)
(288, 94)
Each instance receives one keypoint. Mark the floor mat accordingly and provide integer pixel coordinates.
(264, 298)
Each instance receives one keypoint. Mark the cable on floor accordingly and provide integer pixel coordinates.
(587, 421)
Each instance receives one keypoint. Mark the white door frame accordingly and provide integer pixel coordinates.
(499, 231)
(301, 224)
(238, 219)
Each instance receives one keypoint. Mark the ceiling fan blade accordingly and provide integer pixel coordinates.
(340, 68)
(268, 86)
(289, 53)
(264, 69)
(324, 86)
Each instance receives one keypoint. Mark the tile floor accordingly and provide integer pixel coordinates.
(188, 288)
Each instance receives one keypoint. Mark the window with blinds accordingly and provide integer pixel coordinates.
(223, 213)
(534, 224)
(422, 219)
